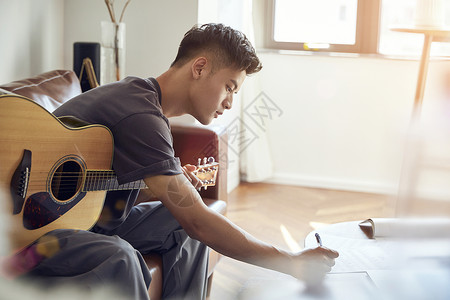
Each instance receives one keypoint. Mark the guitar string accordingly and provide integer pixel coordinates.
(75, 175)
(97, 175)
(104, 186)
(110, 172)
(98, 180)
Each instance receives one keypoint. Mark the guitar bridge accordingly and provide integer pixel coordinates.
(19, 182)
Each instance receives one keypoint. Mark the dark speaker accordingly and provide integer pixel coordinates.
(81, 50)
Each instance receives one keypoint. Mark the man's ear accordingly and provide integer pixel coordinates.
(198, 67)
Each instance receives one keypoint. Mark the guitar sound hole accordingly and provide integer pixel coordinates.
(66, 180)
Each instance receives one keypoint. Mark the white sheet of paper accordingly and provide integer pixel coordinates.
(336, 286)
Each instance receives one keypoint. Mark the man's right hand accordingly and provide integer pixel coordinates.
(311, 265)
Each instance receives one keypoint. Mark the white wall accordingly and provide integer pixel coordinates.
(38, 35)
(344, 119)
(153, 30)
(31, 35)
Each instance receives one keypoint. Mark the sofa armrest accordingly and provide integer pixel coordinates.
(50, 89)
(191, 142)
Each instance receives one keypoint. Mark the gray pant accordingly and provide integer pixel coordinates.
(99, 257)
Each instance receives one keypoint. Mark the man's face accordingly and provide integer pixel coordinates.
(214, 92)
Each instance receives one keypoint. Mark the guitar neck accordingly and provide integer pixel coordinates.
(107, 181)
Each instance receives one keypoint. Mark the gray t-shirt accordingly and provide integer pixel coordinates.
(143, 146)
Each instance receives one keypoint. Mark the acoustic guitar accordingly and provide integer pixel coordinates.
(55, 176)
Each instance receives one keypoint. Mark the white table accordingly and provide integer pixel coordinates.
(367, 269)
(399, 268)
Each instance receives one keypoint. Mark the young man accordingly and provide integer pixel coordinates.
(211, 65)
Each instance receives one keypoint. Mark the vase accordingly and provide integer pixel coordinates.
(112, 66)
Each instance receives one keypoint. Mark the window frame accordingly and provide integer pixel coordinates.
(367, 31)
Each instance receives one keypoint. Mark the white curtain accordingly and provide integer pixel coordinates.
(247, 127)
(255, 158)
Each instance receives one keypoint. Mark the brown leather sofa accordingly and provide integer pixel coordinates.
(53, 88)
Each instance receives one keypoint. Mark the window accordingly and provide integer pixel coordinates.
(359, 26)
(328, 25)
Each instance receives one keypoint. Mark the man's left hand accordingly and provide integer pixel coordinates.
(188, 171)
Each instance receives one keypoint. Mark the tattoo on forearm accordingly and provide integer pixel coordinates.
(180, 192)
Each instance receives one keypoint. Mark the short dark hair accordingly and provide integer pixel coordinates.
(227, 46)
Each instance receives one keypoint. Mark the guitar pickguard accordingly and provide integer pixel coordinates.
(40, 209)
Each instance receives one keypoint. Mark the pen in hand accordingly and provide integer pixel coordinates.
(318, 239)
(316, 276)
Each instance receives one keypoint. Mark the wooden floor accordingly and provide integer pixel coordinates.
(283, 216)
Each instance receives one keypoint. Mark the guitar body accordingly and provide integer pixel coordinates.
(35, 148)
